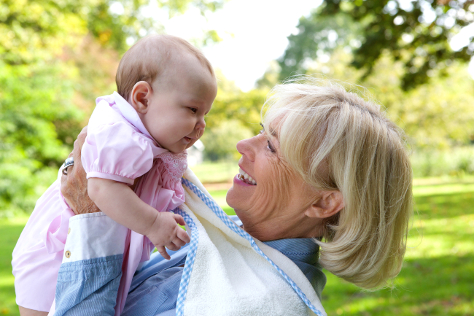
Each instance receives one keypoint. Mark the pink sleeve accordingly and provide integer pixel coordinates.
(116, 152)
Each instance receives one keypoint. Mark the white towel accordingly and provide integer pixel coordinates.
(228, 272)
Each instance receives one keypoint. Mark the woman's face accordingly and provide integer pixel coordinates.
(267, 195)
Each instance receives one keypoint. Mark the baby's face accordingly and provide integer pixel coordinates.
(179, 101)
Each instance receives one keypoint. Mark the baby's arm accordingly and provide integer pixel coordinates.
(120, 203)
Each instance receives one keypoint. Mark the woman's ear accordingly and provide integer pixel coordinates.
(140, 96)
(327, 205)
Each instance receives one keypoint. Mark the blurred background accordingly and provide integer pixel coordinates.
(414, 58)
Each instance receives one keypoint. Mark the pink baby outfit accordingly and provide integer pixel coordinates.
(118, 147)
(39, 250)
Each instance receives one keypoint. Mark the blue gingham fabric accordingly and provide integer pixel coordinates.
(188, 267)
(233, 226)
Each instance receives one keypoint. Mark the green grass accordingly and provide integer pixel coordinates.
(10, 231)
(438, 273)
(214, 172)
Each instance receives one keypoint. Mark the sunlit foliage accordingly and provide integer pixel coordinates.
(57, 57)
(415, 32)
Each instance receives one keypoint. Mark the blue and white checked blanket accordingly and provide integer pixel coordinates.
(228, 272)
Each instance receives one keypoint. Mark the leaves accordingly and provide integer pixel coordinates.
(435, 115)
(34, 106)
(417, 32)
(414, 32)
(57, 56)
(317, 36)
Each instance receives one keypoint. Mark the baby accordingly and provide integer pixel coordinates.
(134, 156)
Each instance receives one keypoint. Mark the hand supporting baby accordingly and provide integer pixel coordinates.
(74, 181)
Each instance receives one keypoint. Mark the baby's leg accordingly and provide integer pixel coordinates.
(30, 312)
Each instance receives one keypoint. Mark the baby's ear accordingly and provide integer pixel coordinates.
(140, 95)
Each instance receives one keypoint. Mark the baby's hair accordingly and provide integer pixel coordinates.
(149, 58)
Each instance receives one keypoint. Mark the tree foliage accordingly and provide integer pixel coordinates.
(437, 115)
(57, 56)
(417, 33)
(233, 104)
(235, 115)
(34, 121)
(220, 140)
(317, 37)
(35, 30)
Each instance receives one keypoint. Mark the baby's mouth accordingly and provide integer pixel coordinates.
(246, 178)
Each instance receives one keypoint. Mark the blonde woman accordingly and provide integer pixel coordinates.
(327, 183)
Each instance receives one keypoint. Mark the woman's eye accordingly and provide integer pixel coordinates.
(194, 110)
(270, 147)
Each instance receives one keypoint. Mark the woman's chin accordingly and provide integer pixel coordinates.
(239, 195)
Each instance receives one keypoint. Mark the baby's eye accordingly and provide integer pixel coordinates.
(194, 110)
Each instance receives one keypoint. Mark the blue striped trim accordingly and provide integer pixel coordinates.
(229, 223)
(188, 266)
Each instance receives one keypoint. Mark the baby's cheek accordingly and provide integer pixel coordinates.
(200, 133)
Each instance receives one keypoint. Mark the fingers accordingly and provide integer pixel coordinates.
(63, 186)
(78, 143)
(82, 136)
(181, 236)
(174, 245)
(163, 253)
(171, 246)
(179, 219)
(74, 183)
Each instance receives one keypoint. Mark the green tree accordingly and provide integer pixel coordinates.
(35, 115)
(220, 141)
(233, 104)
(434, 116)
(417, 33)
(56, 57)
(317, 37)
(36, 30)
(235, 115)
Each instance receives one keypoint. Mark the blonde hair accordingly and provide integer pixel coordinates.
(338, 141)
(149, 58)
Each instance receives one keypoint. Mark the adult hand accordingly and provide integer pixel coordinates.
(74, 181)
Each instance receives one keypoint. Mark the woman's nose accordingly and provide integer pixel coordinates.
(245, 148)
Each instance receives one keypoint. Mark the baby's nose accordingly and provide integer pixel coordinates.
(201, 124)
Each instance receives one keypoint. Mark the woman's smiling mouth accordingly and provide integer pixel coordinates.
(243, 176)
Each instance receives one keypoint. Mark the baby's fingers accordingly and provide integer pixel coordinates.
(182, 236)
(162, 251)
(179, 219)
(172, 246)
(178, 242)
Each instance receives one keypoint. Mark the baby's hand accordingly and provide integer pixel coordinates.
(165, 232)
